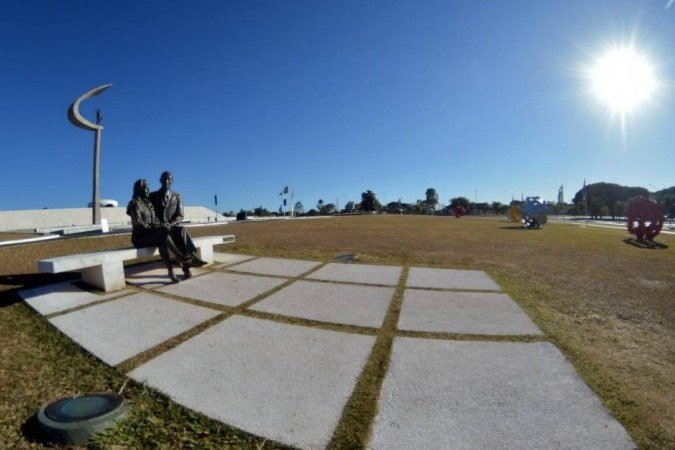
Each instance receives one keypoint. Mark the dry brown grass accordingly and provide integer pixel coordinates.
(608, 305)
(8, 236)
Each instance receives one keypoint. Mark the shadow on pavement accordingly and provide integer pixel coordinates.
(10, 285)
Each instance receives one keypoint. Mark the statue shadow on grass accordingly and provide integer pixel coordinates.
(641, 243)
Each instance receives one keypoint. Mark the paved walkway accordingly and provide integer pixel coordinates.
(276, 347)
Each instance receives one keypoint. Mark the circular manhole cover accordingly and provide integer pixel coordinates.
(72, 420)
(347, 258)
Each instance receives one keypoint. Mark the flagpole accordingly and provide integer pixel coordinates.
(284, 202)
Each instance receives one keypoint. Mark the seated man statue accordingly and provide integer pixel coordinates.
(147, 230)
(169, 208)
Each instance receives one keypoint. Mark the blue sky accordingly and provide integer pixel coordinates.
(480, 99)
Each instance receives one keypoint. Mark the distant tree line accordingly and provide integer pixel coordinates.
(599, 200)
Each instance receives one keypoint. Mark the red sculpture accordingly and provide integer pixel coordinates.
(645, 218)
(459, 211)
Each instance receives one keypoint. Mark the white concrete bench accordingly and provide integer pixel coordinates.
(105, 270)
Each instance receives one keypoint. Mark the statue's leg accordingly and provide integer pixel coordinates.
(166, 257)
(175, 250)
(190, 247)
(175, 242)
(183, 240)
(177, 235)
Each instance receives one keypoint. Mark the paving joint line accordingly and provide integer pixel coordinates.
(310, 323)
(122, 294)
(224, 265)
(354, 429)
(244, 306)
(141, 358)
(243, 309)
(298, 277)
(193, 301)
(479, 291)
(239, 309)
(471, 337)
(262, 275)
(350, 283)
(227, 312)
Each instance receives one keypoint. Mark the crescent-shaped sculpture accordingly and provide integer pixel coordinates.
(74, 111)
(76, 119)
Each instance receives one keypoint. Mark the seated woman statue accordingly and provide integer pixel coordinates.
(147, 231)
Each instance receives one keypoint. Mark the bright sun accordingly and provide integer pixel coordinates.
(623, 79)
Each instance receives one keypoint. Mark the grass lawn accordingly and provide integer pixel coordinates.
(609, 306)
(6, 236)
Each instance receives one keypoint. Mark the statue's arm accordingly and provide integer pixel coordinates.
(139, 220)
(154, 220)
(178, 216)
(136, 217)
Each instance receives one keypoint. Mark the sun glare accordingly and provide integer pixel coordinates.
(623, 79)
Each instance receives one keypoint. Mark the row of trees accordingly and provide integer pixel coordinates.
(370, 204)
(598, 200)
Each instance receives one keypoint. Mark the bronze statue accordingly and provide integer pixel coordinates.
(169, 208)
(147, 230)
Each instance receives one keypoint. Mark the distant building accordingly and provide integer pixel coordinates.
(105, 203)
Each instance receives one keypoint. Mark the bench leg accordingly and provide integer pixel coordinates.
(107, 277)
(205, 253)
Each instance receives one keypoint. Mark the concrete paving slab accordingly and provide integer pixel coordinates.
(364, 306)
(276, 266)
(280, 381)
(122, 328)
(450, 279)
(465, 395)
(227, 259)
(464, 312)
(358, 273)
(223, 288)
(153, 275)
(62, 296)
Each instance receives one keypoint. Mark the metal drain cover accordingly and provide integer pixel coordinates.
(347, 258)
(72, 420)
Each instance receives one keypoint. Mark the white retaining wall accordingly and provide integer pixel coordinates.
(42, 218)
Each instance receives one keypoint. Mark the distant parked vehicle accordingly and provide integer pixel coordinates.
(105, 203)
